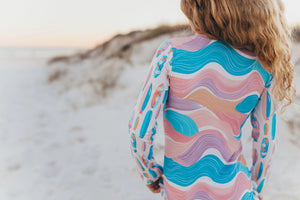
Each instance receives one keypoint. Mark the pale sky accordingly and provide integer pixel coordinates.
(85, 23)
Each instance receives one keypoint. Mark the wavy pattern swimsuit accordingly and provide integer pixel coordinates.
(206, 90)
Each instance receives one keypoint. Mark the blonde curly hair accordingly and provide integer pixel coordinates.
(258, 26)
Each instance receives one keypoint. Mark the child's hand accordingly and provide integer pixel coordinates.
(155, 187)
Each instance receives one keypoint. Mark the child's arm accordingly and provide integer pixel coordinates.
(264, 121)
(143, 121)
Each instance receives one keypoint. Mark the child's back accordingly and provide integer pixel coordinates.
(212, 90)
(206, 90)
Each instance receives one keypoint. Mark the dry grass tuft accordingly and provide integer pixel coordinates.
(296, 33)
(58, 59)
(56, 75)
(165, 29)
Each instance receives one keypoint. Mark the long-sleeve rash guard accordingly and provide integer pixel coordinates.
(206, 90)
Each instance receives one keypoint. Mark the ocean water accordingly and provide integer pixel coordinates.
(31, 56)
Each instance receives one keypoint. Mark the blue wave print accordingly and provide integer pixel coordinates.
(247, 104)
(268, 111)
(181, 123)
(153, 173)
(145, 124)
(150, 153)
(147, 97)
(261, 168)
(273, 126)
(248, 196)
(188, 62)
(159, 66)
(260, 186)
(210, 166)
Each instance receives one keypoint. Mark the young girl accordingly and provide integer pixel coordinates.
(236, 66)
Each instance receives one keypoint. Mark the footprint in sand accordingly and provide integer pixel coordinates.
(89, 171)
(14, 167)
(51, 169)
(75, 128)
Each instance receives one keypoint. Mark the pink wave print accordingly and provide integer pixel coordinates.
(264, 105)
(235, 121)
(246, 52)
(213, 103)
(180, 40)
(192, 43)
(219, 107)
(202, 144)
(141, 101)
(176, 136)
(222, 122)
(217, 83)
(157, 111)
(175, 142)
(241, 183)
(175, 148)
(255, 171)
(201, 117)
